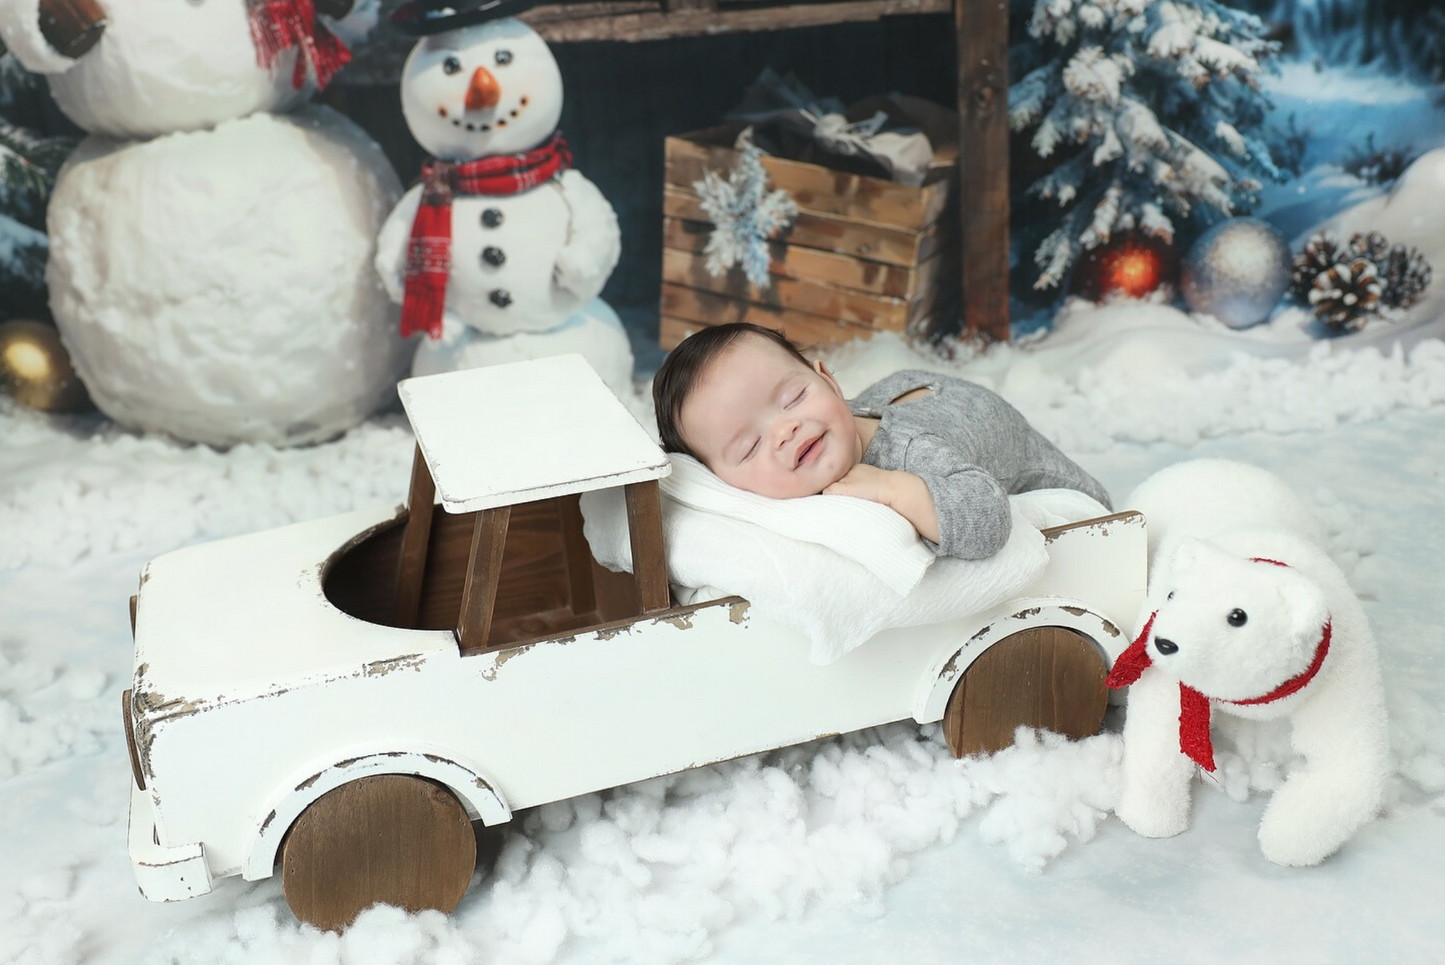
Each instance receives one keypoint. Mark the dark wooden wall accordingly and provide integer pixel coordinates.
(624, 98)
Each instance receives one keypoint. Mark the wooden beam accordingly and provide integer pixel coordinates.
(484, 570)
(411, 563)
(581, 590)
(649, 560)
(983, 198)
(564, 22)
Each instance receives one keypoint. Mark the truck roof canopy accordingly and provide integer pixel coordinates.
(523, 431)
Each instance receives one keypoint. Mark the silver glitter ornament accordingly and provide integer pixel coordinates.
(1237, 271)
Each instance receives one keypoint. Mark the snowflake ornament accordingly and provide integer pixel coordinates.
(745, 215)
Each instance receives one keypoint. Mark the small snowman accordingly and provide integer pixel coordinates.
(500, 252)
(212, 239)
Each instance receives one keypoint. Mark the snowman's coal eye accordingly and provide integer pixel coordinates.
(504, 57)
(1170, 596)
(1237, 617)
(452, 65)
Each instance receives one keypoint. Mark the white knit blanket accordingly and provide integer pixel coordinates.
(801, 583)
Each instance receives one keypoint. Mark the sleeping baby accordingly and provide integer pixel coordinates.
(943, 453)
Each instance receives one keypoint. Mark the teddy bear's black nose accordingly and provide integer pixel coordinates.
(1165, 647)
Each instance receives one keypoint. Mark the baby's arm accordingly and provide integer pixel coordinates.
(964, 512)
(903, 492)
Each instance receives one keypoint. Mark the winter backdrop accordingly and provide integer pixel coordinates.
(870, 847)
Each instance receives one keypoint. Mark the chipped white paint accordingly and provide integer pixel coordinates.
(254, 695)
(526, 431)
(163, 874)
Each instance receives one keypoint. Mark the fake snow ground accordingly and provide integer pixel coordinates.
(865, 848)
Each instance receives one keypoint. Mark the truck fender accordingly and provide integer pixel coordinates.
(478, 794)
(1025, 614)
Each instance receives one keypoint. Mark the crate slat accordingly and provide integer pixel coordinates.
(861, 239)
(816, 298)
(818, 189)
(807, 334)
(795, 261)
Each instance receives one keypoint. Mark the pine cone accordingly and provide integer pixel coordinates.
(1319, 255)
(1371, 245)
(1346, 294)
(1405, 274)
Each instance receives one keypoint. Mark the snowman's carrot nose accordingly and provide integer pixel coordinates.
(483, 91)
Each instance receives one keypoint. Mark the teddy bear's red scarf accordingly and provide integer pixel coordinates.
(1194, 741)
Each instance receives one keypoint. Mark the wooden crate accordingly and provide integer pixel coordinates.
(863, 254)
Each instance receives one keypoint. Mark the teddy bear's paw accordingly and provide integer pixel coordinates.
(1297, 837)
(1154, 818)
(1292, 845)
(1313, 814)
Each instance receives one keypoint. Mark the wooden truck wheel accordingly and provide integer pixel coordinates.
(390, 838)
(1048, 677)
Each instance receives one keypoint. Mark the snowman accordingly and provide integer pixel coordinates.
(211, 253)
(500, 252)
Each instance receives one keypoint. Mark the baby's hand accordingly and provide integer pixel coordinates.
(903, 492)
(865, 482)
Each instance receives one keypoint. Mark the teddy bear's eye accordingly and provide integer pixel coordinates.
(1170, 596)
(1237, 617)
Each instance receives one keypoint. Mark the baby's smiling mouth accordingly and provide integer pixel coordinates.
(808, 450)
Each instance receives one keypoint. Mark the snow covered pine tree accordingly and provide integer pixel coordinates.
(28, 165)
(1153, 110)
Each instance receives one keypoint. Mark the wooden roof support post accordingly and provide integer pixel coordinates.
(484, 570)
(649, 561)
(411, 566)
(983, 194)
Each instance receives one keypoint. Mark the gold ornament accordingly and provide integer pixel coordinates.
(35, 368)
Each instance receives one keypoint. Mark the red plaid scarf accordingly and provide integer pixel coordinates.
(429, 253)
(279, 25)
(1194, 739)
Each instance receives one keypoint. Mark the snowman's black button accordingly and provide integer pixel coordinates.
(494, 256)
(492, 217)
(500, 297)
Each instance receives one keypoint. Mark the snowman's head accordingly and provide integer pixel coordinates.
(489, 89)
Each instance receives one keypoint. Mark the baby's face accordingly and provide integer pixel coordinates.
(763, 421)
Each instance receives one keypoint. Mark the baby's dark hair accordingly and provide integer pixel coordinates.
(679, 373)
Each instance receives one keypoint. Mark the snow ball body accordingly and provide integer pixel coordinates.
(595, 332)
(218, 285)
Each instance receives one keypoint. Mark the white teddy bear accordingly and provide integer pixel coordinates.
(1246, 615)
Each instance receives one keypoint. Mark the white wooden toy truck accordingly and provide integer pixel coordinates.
(348, 696)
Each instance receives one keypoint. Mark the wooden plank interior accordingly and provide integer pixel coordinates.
(649, 559)
(1050, 677)
(411, 566)
(484, 570)
(983, 200)
(543, 586)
